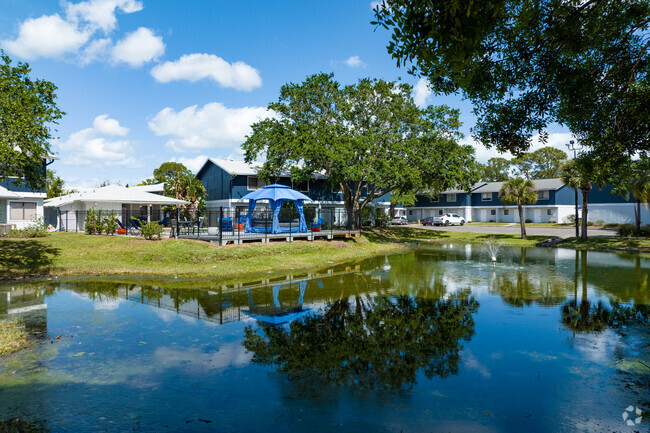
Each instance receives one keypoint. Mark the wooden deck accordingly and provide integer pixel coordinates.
(239, 237)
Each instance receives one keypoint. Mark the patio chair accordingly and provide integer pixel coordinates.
(226, 224)
(136, 223)
(163, 222)
(315, 227)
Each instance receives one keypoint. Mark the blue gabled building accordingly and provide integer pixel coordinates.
(226, 181)
(21, 205)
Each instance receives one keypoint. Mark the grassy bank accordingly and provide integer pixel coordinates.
(633, 245)
(13, 336)
(410, 234)
(76, 254)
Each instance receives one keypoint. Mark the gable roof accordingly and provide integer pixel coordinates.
(158, 187)
(540, 184)
(5, 193)
(113, 194)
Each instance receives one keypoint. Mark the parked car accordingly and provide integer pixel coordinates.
(449, 219)
(401, 221)
(428, 221)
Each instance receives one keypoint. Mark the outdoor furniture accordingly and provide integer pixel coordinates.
(315, 227)
(135, 225)
(174, 225)
(163, 222)
(186, 224)
(213, 231)
(226, 224)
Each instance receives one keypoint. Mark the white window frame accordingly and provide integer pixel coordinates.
(256, 187)
(22, 201)
(486, 196)
(493, 212)
(543, 194)
(550, 212)
(451, 198)
(506, 212)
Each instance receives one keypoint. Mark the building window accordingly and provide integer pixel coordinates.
(506, 212)
(486, 196)
(22, 210)
(255, 183)
(451, 198)
(440, 212)
(542, 195)
(410, 212)
(549, 212)
(493, 211)
(300, 186)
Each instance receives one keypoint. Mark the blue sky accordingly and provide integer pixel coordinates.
(144, 81)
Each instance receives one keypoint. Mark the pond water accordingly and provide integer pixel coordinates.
(435, 339)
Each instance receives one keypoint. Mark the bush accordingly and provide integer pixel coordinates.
(100, 224)
(626, 230)
(36, 229)
(645, 230)
(91, 222)
(110, 224)
(381, 218)
(552, 221)
(528, 221)
(600, 222)
(151, 230)
(590, 223)
(611, 225)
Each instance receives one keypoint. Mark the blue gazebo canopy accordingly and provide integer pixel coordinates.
(275, 194)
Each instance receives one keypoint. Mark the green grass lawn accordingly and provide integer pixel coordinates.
(635, 245)
(416, 234)
(77, 254)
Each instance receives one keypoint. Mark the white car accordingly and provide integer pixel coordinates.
(449, 219)
(402, 221)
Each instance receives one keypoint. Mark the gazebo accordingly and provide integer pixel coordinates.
(275, 194)
(276, 314)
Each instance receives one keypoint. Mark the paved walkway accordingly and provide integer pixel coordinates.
(514, 229)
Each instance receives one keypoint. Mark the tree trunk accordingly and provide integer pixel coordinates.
(585, 210)
(522, 221)
(637, 215)
(392, 210)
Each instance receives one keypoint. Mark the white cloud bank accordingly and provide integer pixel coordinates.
(95, 147)
(82, 35)
(193, 164)
(214, 126)
(195, 67)
(138, 47)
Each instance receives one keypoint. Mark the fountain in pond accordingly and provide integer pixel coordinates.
(492, 249)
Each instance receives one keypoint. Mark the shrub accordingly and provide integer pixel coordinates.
(91, 222)
(151, 230)
(36, 229)
(590, 223)
(110, 224)
(528, 221)
(382, 219)
(645, 230)
(552, 221)
(600, 222)
(626, 230)
(611, 225)
(100, 223)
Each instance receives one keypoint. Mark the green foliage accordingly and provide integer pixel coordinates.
(496, 170)
(366, 339)
(368, 139)
(91, 222)
(582, 173)
(544, 163)
(55, 187)
(36, 229)
(527, 64)
(27, 108)
(627, 230)
(151, 230)
(180, 183)
(110, 223)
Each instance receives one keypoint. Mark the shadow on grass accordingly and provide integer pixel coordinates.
(402, 234)
(24, 257)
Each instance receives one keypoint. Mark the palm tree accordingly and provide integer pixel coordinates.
(640, 186)
(520, 191)
(576, 174)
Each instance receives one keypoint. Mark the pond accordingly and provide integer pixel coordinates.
(434, 339)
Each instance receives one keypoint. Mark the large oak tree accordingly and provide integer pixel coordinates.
(527, 63)
(368, 139)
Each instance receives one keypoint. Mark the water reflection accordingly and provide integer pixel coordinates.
(433, 339)
(371, 341)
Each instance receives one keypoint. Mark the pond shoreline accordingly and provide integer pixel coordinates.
(80, 255)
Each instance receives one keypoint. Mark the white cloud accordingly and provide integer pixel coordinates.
(421, 92)
(91, 147)
(106, 126)
(100, 13)
(194, 67)
(46, 36)
(193, 164)
(354, 62)
(76, 36)
(138, 47)
(214, 126)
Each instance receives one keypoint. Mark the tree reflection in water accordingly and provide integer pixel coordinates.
(371, 341)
